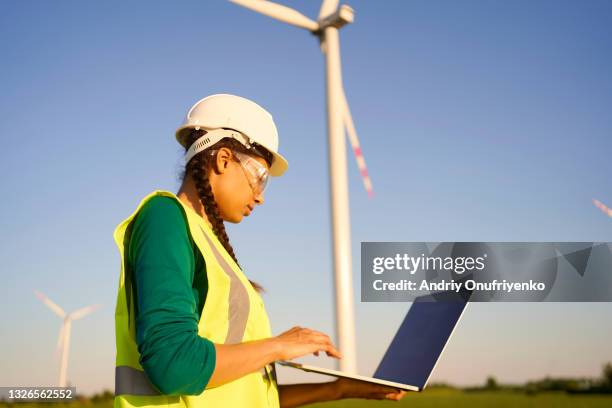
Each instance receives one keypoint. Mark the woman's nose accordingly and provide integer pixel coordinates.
(259, 198)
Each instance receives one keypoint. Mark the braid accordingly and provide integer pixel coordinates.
(202, 183)
(198, 167)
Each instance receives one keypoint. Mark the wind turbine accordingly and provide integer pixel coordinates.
(331, 19)
(63, 341)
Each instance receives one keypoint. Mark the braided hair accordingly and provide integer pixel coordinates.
(198, 169)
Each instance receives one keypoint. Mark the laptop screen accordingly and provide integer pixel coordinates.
(419, 341)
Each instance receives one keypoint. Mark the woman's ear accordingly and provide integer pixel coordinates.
(222, 160)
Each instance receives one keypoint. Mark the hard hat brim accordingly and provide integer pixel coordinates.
(279, 165)
(182, 133)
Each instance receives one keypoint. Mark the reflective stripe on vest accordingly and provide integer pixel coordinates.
(129, 380)
(238, 299)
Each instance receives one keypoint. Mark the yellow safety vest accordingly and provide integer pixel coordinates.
(233, 313)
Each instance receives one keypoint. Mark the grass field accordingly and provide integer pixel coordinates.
(498, 399)
(438, 398)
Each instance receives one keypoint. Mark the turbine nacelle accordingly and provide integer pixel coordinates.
(342, 16)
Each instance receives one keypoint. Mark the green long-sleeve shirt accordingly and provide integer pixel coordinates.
(170, 290)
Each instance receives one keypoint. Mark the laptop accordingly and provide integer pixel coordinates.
(416, 347)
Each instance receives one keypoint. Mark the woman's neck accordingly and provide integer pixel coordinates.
(189, 196)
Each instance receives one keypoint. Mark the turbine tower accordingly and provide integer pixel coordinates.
(63, 341)
(331, 19)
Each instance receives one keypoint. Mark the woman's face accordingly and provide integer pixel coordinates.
(233, 193)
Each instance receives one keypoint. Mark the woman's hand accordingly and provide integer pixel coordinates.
(348, 388)
(299, 341)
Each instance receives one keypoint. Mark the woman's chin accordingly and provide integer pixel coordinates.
(235, 219)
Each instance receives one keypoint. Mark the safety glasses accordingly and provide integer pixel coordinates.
(255, 172)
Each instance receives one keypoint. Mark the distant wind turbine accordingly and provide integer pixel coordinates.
(331, 18)
(63, 341)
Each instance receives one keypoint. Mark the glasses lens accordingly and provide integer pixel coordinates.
(257, 173)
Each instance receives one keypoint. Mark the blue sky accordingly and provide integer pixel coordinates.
(479, 120)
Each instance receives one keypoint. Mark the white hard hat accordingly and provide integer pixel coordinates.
(237, 113)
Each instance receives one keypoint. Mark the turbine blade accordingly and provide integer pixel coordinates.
(58, 310)
(328, 7)
(279, 12)
(606, 210)
(79, 313)
(352, 135)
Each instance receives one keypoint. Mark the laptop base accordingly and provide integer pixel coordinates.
(336, 373)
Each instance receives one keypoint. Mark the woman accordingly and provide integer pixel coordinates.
(191, 329)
